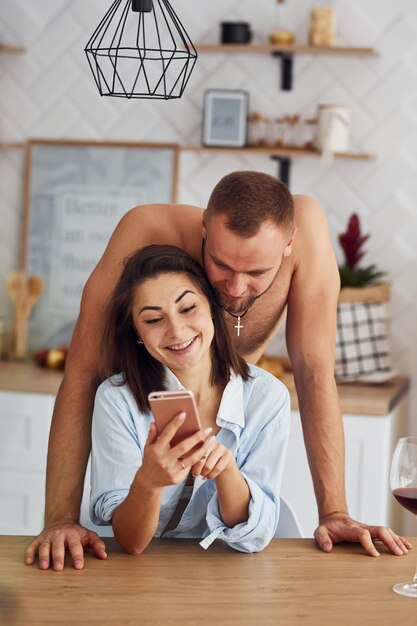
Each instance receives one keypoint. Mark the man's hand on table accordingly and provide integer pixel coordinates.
(52, 542)
(338, 526)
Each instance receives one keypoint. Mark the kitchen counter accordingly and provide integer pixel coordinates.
(361, 398)
(28, 377)
(356, 398)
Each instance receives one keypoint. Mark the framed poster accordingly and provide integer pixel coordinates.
(225, 118)
(75, 194)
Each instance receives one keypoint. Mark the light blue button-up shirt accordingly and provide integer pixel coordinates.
(254, 422)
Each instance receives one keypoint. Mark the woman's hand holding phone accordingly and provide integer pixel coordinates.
(164, 465)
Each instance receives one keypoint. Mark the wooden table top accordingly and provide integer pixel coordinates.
(178, 583)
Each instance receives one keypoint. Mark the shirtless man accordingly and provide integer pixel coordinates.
(258, 272)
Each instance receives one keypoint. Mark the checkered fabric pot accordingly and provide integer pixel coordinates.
(362, 340)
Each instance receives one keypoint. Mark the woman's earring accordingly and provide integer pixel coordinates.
(140, 342)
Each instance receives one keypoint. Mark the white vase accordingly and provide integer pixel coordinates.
(333, 128)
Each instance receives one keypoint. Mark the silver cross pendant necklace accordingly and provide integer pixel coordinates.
(238, 318)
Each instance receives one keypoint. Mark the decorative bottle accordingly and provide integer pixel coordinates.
(282, 33)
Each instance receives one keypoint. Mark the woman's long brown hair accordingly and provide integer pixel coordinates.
(120, 351)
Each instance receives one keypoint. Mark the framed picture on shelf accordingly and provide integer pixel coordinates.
(225, 118)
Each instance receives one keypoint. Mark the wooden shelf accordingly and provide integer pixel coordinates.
(281, 154)
(6, 47)
(285, 53)
(6, 145)
(294, 49)
(282, 151)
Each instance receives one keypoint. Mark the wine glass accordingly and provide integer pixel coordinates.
(403, 481)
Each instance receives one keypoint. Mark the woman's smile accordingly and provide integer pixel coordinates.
(183, 347)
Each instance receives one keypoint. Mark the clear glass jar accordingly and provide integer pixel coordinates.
(282, 33)
(289, 127)
(273, 131)
(309, 131)
(257, 129)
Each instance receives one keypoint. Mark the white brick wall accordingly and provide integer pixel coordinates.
(49, 92)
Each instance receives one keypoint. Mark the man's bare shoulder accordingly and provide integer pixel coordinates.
(313, 252)
(165, 217)
(175, 224)
(174, 211)
(310, 220)
(307, 209)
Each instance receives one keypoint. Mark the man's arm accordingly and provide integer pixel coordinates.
(311, 335)
(70, 438)
(311, 338)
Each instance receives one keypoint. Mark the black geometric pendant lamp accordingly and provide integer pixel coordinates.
(140, 49)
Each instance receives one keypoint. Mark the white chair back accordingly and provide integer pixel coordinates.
(288, 525)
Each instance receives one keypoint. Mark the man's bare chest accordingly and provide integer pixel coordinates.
(252, 331)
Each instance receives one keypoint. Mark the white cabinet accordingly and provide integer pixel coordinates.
(25, 420)
(24, 429)
(369, 441)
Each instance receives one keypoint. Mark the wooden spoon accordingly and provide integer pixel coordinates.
(16, 285)
(36, 286)
(24, 291)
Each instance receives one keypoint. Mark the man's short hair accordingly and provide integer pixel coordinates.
(248, 199)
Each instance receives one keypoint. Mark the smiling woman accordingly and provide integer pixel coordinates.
(178, 331)
(165, 331)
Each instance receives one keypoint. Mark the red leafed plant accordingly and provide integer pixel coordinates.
(352, 242)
